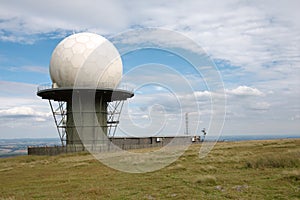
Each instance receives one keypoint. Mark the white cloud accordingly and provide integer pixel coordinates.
(203, 94)
(245, 91)
(35, 69)
(248, 34)
(252, 35)
(296, 117)
(23, 112)
(260, 106)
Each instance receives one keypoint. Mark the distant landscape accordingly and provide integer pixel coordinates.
(15, 147)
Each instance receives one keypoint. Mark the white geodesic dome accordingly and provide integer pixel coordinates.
(85, 60)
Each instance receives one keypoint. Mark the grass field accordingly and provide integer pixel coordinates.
(232, 170)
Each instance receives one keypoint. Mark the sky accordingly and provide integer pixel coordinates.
(255, 46)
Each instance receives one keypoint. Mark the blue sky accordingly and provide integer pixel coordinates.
(254, 44)
(26, 62)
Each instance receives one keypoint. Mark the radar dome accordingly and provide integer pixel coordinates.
(85, 60)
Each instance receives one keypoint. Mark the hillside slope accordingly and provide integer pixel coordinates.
(233, 170)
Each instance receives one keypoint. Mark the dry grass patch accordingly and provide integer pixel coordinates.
(177, 167)
(207, 180)
(293, 175)
(275, 160)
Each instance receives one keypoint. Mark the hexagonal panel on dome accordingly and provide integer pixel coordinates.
(91, 45)
(69, 43)
(67, 54)
(77, 60)
(78, 48)
(83, 38)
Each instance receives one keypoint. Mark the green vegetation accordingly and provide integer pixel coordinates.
(232, 170)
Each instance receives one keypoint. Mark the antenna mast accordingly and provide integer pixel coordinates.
(187, 123)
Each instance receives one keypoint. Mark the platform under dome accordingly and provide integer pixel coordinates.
(65, 94)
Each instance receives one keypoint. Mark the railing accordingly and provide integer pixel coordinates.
(104, 85)
(44, 86)
(124, 86)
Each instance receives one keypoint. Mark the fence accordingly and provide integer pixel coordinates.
(119, 143)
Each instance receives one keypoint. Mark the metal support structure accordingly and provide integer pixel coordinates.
(60, 117)
(59, 113)
(113, 115)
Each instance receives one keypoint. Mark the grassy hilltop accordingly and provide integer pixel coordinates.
(232, 170)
